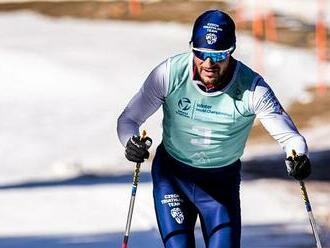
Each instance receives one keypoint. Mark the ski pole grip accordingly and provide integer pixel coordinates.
(294, 153)
(143, 134)
(148, 141)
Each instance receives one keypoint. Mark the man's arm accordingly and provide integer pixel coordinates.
(276, 121)
(148, 99)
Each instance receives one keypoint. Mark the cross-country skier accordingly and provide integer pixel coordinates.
(210, 101)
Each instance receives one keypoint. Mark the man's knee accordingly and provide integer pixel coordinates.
(226, 235)
(180, 239)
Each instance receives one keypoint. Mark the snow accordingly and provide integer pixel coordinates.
(63, 84)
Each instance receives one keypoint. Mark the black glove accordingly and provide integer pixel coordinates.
(298, 167)
(137, 149)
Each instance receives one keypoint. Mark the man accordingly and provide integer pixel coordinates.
(210, 101)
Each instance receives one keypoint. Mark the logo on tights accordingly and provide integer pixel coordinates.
(177, 214)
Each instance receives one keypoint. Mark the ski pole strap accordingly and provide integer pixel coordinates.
(303, 189)
(136, 177)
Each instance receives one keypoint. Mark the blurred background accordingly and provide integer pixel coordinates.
(68, 69)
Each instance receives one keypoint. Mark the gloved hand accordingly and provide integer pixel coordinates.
(137, 149)
(298, 166)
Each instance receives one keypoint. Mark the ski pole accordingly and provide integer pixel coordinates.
(310, 213)
(131, 203)
(309, 209)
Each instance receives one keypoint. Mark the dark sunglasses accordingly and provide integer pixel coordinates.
(215, 56)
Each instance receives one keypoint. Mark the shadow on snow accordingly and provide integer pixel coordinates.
(256, 236)
(274, 167)
(82, 180)
(261, 167)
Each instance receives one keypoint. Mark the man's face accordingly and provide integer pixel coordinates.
(210, 72)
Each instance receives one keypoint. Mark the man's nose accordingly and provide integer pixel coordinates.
(208, 61)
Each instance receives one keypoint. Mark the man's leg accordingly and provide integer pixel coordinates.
(224, 229)
(216, 197)
(176, 216)
(220, 214)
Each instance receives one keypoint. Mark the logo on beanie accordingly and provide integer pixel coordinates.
(211, 38)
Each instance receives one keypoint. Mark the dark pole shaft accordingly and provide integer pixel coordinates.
(132, 201)
(310, 214)
(308, 209)
(131, 205)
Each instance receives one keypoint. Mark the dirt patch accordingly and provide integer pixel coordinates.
(178, 11)
(310, 113)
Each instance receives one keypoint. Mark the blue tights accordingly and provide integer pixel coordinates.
(181, 193)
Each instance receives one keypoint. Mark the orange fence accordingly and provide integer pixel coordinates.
(134, 7)
(321, 46)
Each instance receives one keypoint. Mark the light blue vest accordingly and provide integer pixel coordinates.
(206, 130)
